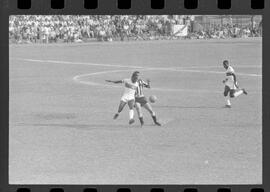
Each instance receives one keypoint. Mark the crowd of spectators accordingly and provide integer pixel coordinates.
(76, 28)
(228, 31)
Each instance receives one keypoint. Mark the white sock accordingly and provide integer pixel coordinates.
(237, 93)
(131, 114)
(228, 102)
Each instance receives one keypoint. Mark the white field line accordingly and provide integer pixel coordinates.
(78, 78)
(76, 63)
(179, 69)
(221, 67)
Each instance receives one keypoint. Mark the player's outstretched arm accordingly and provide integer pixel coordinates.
(110, 81)
(147, 84)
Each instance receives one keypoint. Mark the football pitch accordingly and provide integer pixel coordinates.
(61, 127)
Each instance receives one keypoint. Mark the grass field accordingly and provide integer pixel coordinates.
(61, 128)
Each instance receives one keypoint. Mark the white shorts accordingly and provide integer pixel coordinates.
(127, 98)
(231, 85)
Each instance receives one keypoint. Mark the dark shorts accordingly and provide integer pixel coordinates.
(141, 100)
(228, 90)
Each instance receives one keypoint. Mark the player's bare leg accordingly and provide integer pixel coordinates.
(120, 108)
(228, 102)
(240, 92)
(227, 97)
(131, 111)
(148, 107)
(139, 111)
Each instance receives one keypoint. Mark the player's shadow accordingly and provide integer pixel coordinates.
(86, 127)
(187, 107)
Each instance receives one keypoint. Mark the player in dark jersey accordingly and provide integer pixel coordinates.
(141, 101)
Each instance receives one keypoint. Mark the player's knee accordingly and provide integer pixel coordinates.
(232, 93)
(152, 112)
(226, 93)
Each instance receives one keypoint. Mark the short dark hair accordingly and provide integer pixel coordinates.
(225, 61)
(135, 73)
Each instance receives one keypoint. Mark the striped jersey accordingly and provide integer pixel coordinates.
(141, 85)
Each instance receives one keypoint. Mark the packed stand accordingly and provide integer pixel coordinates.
(75, 28)
(227, 31)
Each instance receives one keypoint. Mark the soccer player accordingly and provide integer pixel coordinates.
(141, 101)
(128, 96)
(232, 89)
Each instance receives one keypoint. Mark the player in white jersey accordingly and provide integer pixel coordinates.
(231, 89)
(141, 101)
(128, 96)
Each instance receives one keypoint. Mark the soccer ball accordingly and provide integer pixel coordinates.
(152, 98)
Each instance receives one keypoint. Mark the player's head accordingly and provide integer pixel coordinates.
(226, 64)
(135, 76)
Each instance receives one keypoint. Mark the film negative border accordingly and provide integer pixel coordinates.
(10, 7)
(142, 188)
(136, 6)
(155, 4)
